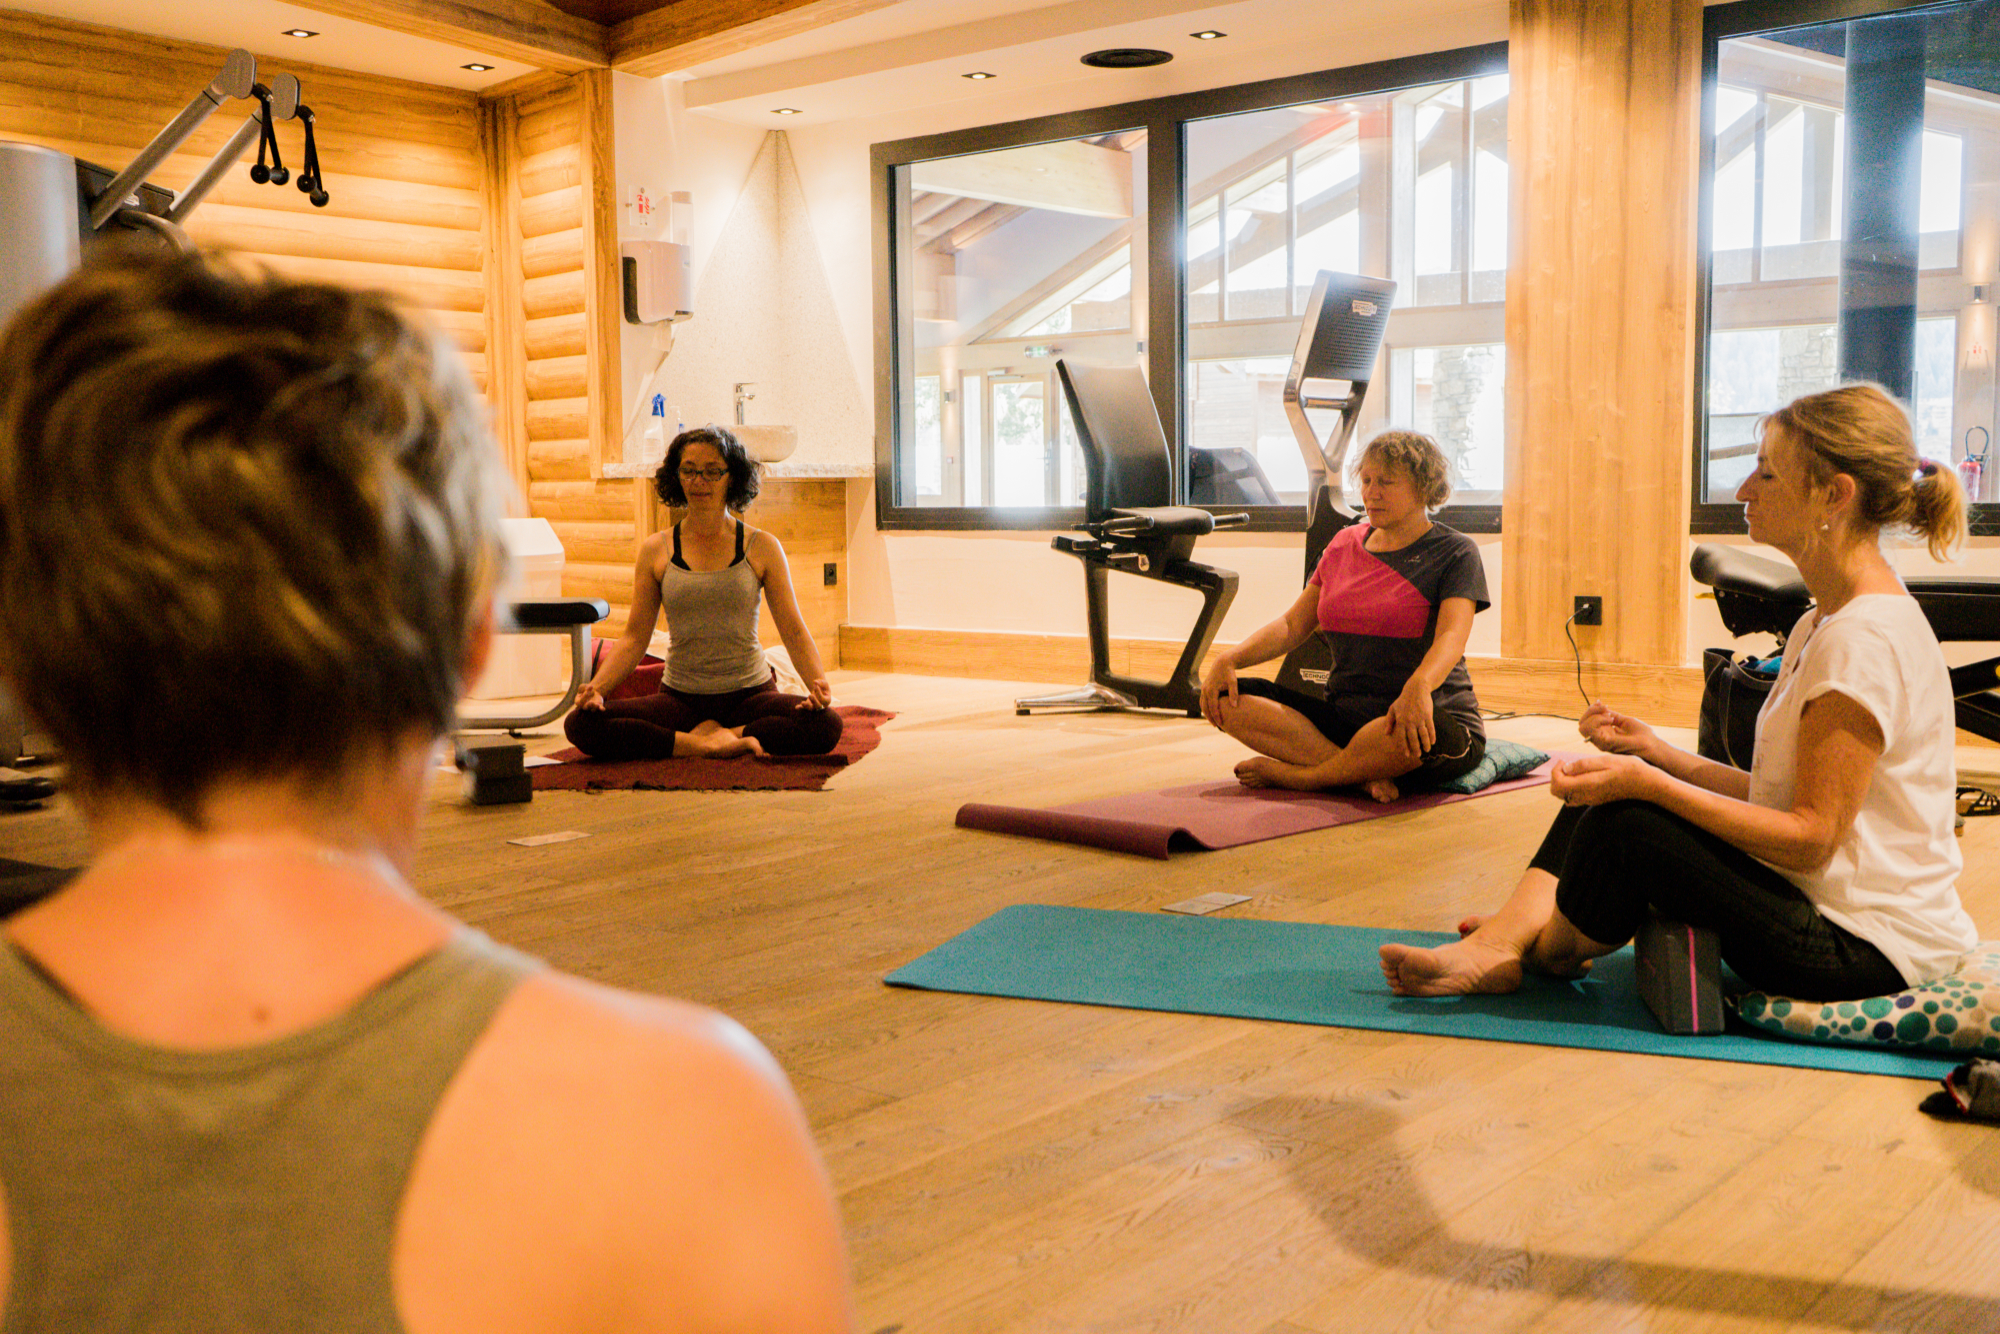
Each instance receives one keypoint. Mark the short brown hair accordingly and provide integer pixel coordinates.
(247, 526)
(1861, 430)
(1417, 457)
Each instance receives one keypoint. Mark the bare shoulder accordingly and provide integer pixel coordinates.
(654, 549)
(661, 1145)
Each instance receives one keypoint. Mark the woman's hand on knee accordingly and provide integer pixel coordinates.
(1218, 684)
(1412, 724)
(588, 697)
(818, 694)
(1597, 779)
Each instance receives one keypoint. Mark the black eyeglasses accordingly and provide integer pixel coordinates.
(711, 474)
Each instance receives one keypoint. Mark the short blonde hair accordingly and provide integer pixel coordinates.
(1862, 431)
(1417, 457)
(247, 526)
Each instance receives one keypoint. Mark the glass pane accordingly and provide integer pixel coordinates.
(1005, 261)
(1371, 185)
(1786, 120)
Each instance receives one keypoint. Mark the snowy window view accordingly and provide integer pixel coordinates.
(1781, 204)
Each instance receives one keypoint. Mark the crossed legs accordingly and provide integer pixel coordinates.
(1294, 752)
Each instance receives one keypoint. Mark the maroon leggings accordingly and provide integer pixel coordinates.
(642, 727)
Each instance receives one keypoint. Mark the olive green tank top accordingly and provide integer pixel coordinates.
(253, 1188)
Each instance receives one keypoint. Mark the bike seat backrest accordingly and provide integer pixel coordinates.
(1125, 459)
(1734, 570)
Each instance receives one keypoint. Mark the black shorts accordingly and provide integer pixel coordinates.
(1456, 752)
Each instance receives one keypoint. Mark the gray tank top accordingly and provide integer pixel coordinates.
(712, 623)
(253, 1188)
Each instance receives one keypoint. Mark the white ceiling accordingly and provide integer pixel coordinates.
(259, 26)
(905, 56)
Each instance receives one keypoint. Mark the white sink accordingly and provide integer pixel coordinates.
(768, 444)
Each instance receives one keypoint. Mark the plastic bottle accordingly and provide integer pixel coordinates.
(656, 429)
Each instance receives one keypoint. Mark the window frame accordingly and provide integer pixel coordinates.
(1165, 335)
(1720, 23)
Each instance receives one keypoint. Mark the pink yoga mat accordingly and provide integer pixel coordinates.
(1208, 815)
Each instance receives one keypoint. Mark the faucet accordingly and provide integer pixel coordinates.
(744, 393)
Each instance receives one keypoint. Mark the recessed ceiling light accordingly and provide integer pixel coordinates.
(787, 111)
(979, 74)
(476, 68)
(1127, 57)
(299, 32)
(1207, 35)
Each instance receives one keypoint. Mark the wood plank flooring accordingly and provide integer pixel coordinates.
(1010, 1166)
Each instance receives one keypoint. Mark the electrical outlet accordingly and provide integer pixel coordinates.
(1590, 611)
(832, 576)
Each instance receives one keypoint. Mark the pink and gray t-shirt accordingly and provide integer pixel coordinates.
(1378, 611)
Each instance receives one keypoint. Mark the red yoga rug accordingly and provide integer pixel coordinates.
(1206, 815)
(576, 772)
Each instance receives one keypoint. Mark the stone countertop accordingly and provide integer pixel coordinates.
(788, 468)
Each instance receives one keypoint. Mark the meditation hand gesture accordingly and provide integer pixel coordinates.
(1609, 730)
(1596, 779)
(589, 697)
(818, 694)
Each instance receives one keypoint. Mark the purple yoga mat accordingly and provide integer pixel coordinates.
(1208, 815)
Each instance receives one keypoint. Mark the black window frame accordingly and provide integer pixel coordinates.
(1165, 336)
(1750, 18)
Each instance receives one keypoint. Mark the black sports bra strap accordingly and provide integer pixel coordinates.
(740, 526)
(678, 560)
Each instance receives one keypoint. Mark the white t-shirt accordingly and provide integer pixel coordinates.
(1893, 880)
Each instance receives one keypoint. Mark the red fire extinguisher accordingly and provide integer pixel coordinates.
(1973, 466)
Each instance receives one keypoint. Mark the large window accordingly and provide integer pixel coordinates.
(1852, 225)
(1409, 185)
(1183, 235)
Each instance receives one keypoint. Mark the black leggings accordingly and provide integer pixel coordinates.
(1612, 862)
(643, 727)
(1456, 752)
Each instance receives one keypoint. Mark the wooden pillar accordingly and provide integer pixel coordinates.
(1602, 136)
(603, 310)
(506, 321)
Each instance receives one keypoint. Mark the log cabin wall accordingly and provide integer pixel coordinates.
(556, 312)
(401, 160)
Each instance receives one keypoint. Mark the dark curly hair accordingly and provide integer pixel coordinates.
(742, 469)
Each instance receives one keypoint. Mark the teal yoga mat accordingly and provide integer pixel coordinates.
(1300, 973)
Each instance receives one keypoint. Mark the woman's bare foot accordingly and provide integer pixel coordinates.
(1383, 790)
(1472, 923)
(1263, 771)
(720, 743)
(1463, 968)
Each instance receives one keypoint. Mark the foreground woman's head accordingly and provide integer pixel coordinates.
(249, 528)
(1861, 431)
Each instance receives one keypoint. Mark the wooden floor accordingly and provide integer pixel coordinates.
(1013, 1166)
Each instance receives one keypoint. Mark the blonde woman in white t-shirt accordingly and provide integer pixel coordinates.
(1829, 871)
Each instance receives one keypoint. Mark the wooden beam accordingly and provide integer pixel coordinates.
(604, 306)
(506, 321)
(1070, 176)
(686, 33)
(526, 30)
(1603, 135)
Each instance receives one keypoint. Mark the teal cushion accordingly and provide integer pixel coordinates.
(1503, 760)
(1956, 1013)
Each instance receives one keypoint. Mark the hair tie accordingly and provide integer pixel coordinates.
(1926, 468)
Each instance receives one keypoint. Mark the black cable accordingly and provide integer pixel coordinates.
(1577, 653)
(310, 182)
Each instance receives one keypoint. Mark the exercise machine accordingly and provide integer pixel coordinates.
(1132, 525)
(1332, 365)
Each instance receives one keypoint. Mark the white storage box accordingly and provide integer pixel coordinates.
(529, 664)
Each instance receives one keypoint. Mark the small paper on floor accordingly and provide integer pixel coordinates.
(1206, 903)
(537, 761)
(540, 840)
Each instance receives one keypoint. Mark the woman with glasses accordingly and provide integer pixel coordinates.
(719, 697)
